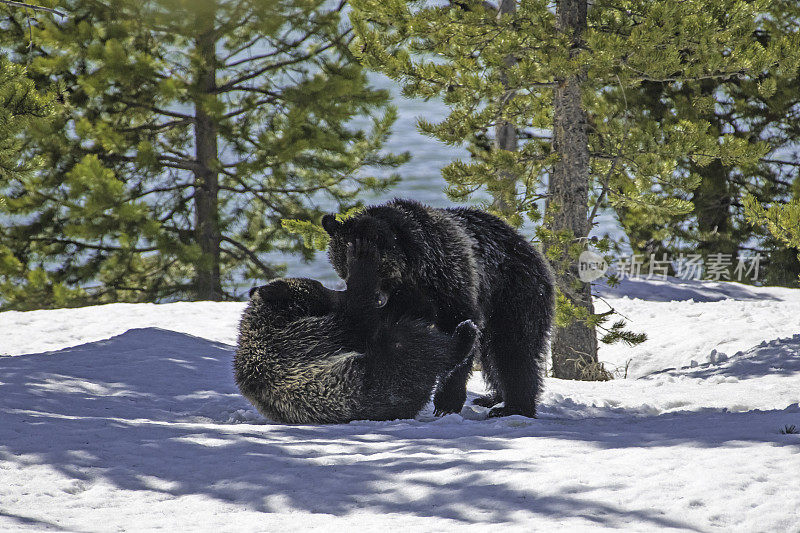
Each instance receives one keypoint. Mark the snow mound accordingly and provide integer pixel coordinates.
(778, 357)
(148, 373)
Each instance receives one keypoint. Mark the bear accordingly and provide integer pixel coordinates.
(453, 264)
(308, 354)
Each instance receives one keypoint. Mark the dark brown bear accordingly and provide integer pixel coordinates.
(451, 265)
(307, 354)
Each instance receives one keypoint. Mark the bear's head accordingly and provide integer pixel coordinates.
(283, 300)
(379, 230)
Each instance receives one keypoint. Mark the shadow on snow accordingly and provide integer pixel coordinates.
(155, 410)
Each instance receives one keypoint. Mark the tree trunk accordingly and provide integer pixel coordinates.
(712, 204)
(712, 198)
(505, 137)
(207, 231)
(574, 348)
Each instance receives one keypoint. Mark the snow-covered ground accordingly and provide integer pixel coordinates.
(126, 418)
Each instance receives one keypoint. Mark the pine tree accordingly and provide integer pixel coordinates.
(21, 107)
(189, 130)
(783, 221)
(758, 109)
(565, 91)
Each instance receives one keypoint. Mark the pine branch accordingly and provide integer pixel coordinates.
(603, 192)
(79, 244)
(253, 257)
(226, 87)
(154, 109)
(781, 162)
(157, 127)
(160, 189)
(33, 7)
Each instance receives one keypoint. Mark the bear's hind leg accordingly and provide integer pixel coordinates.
(463, 341)
(451, 393)
(516, 336)
(494, 393)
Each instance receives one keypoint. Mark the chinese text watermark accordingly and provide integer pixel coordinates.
(715, 267)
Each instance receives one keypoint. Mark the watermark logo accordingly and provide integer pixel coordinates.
(591, 266)
(715, 267)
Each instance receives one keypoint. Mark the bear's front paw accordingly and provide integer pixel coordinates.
(446, 404)
(363, 252)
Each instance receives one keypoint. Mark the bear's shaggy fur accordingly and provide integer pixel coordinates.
(451, 265)
(307, 354)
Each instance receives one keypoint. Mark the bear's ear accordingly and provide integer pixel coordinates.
(253, 290)
(330, 224)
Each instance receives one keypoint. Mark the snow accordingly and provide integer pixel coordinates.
(126, 418)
